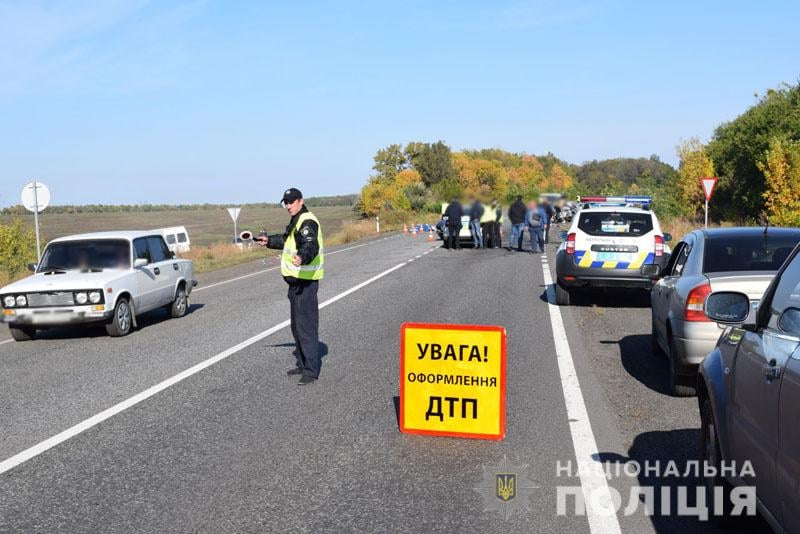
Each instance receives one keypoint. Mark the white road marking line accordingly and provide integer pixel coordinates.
(61, 437)
(203, 288)
(6, 341)
(600, 509)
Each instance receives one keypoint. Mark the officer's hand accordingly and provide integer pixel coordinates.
(261, 240)
(297, 261)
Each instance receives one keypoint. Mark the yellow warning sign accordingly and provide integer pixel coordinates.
(453, 380)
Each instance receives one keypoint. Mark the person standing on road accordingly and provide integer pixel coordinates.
(549, 211)
(516, 213)
(536, 220)
(475, 213)
(497, 225)
(487, 226)
(453, 214)
(302, 268)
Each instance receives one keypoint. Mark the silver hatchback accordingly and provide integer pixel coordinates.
(703, 262)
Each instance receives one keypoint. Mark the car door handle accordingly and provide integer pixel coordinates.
(771, 371)
(175, 266)
(157, 271)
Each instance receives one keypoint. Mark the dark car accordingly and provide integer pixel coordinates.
(749, 396)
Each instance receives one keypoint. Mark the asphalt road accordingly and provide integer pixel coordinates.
(238, 447)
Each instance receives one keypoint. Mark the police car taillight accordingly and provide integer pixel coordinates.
(570, 249)
(695, 301)
(659, 245)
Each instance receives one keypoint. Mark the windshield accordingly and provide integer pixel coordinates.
(88, 255)
(756, 252)
(615, 224)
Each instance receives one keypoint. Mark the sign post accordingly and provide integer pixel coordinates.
(708, 188)
(35, 198)
(234, 213)
(453, 380)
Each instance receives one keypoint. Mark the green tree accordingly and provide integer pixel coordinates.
(17, 249)
(781, 168)
(389, 161)
(431, 160)
(694, 165)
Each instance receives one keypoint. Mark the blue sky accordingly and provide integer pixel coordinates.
(127, 101)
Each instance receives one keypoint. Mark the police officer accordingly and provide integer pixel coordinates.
(302, 268)
(453, 214)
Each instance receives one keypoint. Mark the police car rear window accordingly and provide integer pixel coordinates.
(748, 252)
(615, 223)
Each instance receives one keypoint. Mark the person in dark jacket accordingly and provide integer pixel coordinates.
(453, 214)
(475, 214)
(549, 211)
(516, 214)
(497, 227)
(302, 269)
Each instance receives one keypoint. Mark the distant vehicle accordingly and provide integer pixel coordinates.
(749, 397)
(703, 262)
(177, 238)
(105, 277)
(557, 200)
(464, 236)
(606, 246)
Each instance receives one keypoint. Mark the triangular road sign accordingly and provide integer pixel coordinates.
(234, 213)
(708, 186)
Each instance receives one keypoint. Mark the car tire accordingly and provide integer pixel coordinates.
(712, 456)
(23, 333)
(181, 303)
(121, 321)
(677, 387)
(563, 295)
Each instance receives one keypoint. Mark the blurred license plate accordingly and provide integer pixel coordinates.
(611, 256)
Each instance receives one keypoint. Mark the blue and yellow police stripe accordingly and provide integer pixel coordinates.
(582, 259)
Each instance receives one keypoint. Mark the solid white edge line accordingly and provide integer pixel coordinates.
(6, 341)
(600, 510)
(61, 437)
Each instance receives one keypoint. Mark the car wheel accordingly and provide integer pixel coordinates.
(712, 457)
(677, 385)
(22, 333)
(121, 321)
(180, 304)
(563, 295)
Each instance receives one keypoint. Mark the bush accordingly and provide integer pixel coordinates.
(17, 249)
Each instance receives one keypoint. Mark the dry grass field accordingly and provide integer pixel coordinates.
(205, 227)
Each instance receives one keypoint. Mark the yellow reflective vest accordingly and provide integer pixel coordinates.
(488, 215)
(314, 270)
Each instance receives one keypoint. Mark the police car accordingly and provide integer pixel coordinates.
(609, 240)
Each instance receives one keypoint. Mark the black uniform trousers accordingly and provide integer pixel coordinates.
(453, 239)
(305, 325)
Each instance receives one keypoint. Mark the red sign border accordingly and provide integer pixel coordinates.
(713, 187)
(500, 436)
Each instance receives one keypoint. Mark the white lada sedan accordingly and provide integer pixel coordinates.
(106, 277)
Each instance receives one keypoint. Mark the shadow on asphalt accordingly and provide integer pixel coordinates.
(606, 298)
(636, 355)
(680, 446)
(96, 329)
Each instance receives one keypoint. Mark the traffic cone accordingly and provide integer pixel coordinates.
(405, 229)
(430, 234)
(413, 231)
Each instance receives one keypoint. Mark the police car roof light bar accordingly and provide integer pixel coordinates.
(622, 200)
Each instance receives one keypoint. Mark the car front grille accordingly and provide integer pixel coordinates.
(56, 298)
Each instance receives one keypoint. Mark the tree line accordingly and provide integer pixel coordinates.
(756, 157)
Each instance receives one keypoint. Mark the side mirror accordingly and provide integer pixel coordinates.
(651, 270)
(138, 263)
(727, 307)
(789, 321)
(667, 237)
(562, 235)
(32, 267)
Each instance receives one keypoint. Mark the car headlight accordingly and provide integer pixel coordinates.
(94, 297)
(9, 301)
(81, 298)
(21, 300)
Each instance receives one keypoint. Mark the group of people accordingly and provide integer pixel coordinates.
(485, 223)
